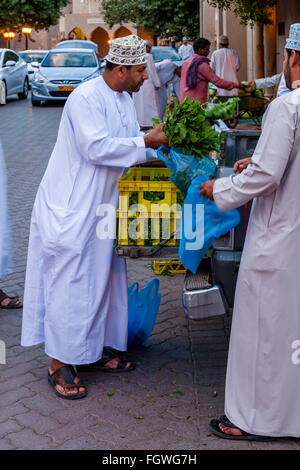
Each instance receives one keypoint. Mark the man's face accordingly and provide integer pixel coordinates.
(205, 50)
(135, 77)
(287, 70)
(185, 42)
(148, 49)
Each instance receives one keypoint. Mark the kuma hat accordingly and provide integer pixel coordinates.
(293, 41)
(128, 50)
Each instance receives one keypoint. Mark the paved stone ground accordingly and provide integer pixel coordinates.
(165, 404)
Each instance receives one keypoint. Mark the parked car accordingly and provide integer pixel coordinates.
(77, 44)
(165, 52)
(13, 74)
(33, 58)
(61, 71)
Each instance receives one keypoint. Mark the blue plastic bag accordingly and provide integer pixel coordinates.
(143, 307)
(184, 168)
(197, 230)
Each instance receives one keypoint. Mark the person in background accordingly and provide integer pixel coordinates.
(146, 99)
(168, 73)
(196, 74)
(186, 50)
(173, 45)
(6, 263)
(225, 63)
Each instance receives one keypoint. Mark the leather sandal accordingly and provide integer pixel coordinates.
(216, 430)
(13, 303)
(64, 376)
(107, 355)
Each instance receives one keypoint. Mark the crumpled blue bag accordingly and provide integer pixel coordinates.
(143, 306)
(197, 231)
(184, 168)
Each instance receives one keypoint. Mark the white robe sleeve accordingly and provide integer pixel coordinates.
(267, 81)
(236, 61)
(269, 161)
(94, 142)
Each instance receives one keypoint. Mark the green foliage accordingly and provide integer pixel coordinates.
(190, 126)
(164, 18)
(249, 11)
(37, 14)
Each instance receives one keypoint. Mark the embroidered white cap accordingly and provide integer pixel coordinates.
(128, 50)
(293, 41)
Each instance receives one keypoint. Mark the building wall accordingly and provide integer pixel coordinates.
(287, 14)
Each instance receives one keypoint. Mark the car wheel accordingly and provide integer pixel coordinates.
(24, 93)
(2, 92)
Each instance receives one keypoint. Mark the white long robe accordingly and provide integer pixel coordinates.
(146, 99)
(166, 74)
(6, 264)
(263, 372)
(75, 298)
(225, 63)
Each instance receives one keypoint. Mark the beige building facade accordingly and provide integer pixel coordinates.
(260, 48)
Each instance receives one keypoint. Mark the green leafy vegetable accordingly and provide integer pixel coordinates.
(189, 127)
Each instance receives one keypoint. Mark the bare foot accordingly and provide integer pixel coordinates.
(113, 363)
(229, 430)
(55, 364)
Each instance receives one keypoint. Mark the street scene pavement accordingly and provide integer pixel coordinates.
(166, 403)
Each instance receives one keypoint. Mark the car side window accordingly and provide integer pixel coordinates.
(14, 57)
(10, 56)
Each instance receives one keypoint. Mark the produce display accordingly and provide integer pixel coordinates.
(190, 126)
(246, 91)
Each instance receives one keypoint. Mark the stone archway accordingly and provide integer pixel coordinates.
(121, 32)
(101, 37)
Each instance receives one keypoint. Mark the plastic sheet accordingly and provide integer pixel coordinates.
(143, 307)
(185, 167)
(201, 224)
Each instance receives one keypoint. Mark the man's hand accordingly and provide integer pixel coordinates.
(207, 188)
(156, 137)
(241, 165)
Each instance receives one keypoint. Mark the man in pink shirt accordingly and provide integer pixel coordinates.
(196, 74)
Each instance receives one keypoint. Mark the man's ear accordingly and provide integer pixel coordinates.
(294, 59)
(121, 70)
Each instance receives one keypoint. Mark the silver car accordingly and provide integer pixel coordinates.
(61, 71)
(13, 75)
(33, 60)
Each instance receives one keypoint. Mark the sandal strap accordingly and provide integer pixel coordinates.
(3, 295)
(64, 376)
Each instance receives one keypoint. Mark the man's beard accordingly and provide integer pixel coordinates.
(137, 87)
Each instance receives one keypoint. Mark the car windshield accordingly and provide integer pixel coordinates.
(69, 59)
(163, 53)
(32, 57)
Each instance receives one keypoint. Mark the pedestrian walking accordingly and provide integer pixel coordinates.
(225, 63)
(186, 50)
(262, 382)
(146, 99)
(196, 74)
(75, 299)
(6, 263)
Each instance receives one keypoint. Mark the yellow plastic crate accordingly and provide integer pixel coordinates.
(153, 220)
(173, 266)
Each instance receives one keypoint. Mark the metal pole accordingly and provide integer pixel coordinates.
(26, 41)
